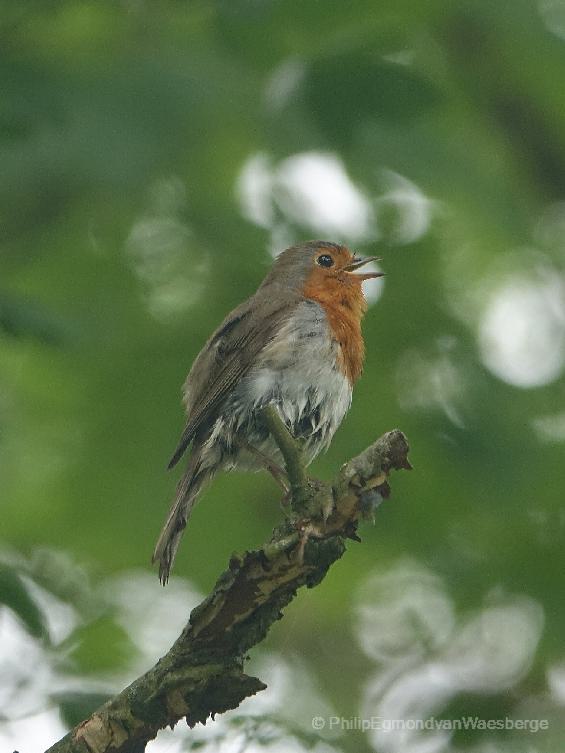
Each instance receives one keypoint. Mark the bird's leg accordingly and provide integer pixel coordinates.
(291, 450)
(274, 469)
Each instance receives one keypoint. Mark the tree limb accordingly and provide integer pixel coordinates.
(202, 674)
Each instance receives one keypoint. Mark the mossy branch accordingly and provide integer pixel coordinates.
(202, 674)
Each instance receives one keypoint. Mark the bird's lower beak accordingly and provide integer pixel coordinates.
(358, 263)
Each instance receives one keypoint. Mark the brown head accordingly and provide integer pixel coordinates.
(327, 273)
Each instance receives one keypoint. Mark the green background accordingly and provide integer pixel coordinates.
(152, 155)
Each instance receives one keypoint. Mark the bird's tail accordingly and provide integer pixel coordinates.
(169, 539)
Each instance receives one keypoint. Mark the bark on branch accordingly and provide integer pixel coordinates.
(202, 674)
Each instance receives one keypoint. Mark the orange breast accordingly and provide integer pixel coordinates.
(344, 304)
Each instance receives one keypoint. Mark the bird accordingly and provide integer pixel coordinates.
(295, 344)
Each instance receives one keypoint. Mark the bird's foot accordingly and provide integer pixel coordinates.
(305, 529)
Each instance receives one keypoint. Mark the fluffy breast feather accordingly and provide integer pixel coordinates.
(299, 372)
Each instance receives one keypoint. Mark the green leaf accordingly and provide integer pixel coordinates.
(101, 646)
(14, 594)
(75, 707)
(23, 318)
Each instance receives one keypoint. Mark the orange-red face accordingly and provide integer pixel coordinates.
(338, 264)
(333, 280)
(334, 283)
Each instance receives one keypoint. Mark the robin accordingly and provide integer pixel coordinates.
(295, 344)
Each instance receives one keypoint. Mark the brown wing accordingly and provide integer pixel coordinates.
(228, 355)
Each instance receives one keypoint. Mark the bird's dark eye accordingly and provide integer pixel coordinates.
(325, 260)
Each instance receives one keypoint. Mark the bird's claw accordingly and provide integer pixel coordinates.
(306, 529)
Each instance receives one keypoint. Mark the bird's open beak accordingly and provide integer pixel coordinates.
(358, 263)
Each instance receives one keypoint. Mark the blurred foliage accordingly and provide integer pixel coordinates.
(146, 170)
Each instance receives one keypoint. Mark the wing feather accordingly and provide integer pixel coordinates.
(227, 356)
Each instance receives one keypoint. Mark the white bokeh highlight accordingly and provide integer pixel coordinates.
(521, 332)
(402, 614)
(432, 380)
(254, 189)
(425, 655)
(556, 682)
(314, 190)
(284, 82)
(549, 230)
(550, 428)
(163, 254)
(310, 189)
(552, 13)
(404, 212)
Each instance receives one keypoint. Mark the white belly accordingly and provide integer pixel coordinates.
(298, 372)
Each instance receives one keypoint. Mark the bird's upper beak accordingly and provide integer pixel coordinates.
(358, 263)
